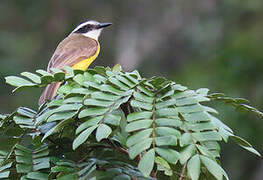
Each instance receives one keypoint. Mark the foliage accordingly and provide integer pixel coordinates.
(109, 124)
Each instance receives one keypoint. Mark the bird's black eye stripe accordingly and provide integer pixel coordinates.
(85, 28)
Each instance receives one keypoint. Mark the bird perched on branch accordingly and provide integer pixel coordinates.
(78, 50)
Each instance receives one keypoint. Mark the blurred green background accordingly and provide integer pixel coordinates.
(199, 43)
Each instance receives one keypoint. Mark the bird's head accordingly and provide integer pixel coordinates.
(91, 29)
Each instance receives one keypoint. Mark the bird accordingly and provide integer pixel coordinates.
(78, 50)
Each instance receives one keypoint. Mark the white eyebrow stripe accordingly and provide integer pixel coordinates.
(84, 24)
(79, 26)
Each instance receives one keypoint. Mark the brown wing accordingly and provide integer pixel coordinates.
(70, 51)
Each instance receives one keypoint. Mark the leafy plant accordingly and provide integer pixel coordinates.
(109, 124)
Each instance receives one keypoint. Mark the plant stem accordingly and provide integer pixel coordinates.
(182, 173)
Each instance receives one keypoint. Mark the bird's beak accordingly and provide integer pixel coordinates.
(103, 25)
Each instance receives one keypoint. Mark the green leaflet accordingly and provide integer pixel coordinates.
(163, 165)
(104, 96)
(44, 73)
(163, 131)
(166, 140)
(18, 82)
(46, 78)
(187, 153)
(186, 101)
(220, 124)
(68, 107)
(139, 147)
(103, 131)
(26, 112)
(145, 91)
(190, 108)
(90, 122)
(139, 136)
(89, 77)
(74, 99)
(251, 149)
(169, 155)
(24, 122)
(179, 87)
(142, 105)
(59, 75)
(186, 139)
(147, 162)
(167, 94)
(139, 115)
(202, 91)
(79, 78)
(244, 144)
(125, 81)
(110, 89)
(141, 97)
(119, 84)
(184, 94)
(205, 151)
(164, 104)
(207, 136)
(112, 119)
(92, 112)
(196, 116)
(91, 85)
(240, 141)
(82, 137)
(83, 91)
(65, 89)
(213, 168)
(213, 145)
(120, 101)
(193, 167)
(61, 116)
(166, 112)
(174, 122)
(100, 103)
(140, 124)
(131, 78)
(99, 78)
(201, 126)
(33, 77)
(55, 103)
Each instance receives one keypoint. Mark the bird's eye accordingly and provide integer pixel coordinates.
(90, 26)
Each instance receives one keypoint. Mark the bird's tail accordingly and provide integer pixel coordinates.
(49, 92)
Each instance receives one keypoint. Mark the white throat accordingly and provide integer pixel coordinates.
(94, 34)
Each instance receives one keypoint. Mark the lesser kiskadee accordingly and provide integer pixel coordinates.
(78, 50)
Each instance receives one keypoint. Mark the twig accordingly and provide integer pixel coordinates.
(153, 174)
(123, 150)
(182, 173)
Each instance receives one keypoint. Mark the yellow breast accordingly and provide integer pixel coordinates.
(84, 64)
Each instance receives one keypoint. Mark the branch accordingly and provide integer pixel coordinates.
(182, 173)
